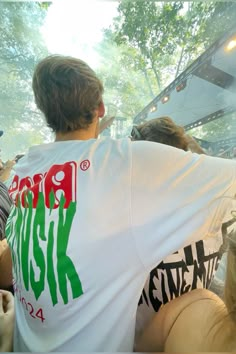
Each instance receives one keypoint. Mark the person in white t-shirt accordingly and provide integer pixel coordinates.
(191, 267)
(92, 217)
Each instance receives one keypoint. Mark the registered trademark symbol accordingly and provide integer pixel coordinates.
(85, 165)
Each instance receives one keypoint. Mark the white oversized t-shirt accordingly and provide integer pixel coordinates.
(92, 218)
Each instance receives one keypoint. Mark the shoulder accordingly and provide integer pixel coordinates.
(201, 312)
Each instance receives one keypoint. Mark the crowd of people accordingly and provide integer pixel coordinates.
(112, 245)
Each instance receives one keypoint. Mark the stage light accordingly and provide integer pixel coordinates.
(153, 109)
(231, 45)
(181, 86)
(165, 99)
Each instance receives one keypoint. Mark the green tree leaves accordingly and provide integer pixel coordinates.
(21, 47)
(154, 42)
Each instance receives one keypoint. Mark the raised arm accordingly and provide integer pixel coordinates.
(193, 145)
(5, 174)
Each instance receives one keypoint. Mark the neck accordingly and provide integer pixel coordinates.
(81, 134)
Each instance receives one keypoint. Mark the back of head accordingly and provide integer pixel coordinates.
(161, 130)
(67, 91)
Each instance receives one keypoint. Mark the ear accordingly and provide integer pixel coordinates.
(101, 110)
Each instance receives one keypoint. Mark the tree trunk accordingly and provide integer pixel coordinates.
(179, 63)
(157, 76)
(148, 83)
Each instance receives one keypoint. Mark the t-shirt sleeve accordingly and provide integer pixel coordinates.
(176, 198)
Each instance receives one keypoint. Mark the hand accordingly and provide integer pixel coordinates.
(105, 123)
(6, 171)
(7, 317)
(9, 164)
(193, 145)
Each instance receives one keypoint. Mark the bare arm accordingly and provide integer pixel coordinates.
(104, 123)
(193, 145)
(153, 339)
(179, 325)
(5, 268)
(5, 174)
(6, 321)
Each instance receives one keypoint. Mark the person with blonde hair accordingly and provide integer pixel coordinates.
(83, 230)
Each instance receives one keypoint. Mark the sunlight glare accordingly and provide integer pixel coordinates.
(75, 27)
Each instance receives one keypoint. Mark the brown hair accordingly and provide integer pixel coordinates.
(67, 91)
(161, 130)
